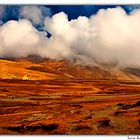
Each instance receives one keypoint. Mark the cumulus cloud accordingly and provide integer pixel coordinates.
(35, 13)
(45, 11)
(2, 10)
(110, 36)
(32, 13)
(19, 39)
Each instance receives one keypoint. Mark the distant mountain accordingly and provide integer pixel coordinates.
(36, 68)
(134, 71)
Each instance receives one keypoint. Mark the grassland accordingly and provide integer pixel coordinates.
(69, 107)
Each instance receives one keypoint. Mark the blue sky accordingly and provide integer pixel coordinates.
(12, 12)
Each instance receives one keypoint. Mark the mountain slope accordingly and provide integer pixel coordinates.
(50, 69)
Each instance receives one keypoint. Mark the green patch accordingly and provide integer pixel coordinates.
(35, 117)
(15, 99)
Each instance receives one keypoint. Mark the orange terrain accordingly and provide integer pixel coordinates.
(58, 97)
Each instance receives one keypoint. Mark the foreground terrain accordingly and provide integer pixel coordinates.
(60, 102)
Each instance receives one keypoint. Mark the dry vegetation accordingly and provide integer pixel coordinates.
(64, 104)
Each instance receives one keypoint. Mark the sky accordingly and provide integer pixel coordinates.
(12, 12)
(87, 34)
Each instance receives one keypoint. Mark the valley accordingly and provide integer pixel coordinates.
(57, 99)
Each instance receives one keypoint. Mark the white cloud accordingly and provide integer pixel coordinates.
(18, 39)
(32, 13)
(109, 36)
(2, 10)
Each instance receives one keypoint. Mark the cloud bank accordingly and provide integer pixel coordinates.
(110, 36)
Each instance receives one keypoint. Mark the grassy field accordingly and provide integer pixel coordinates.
(69, 107)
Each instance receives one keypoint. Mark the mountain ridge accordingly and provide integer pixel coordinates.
(43, 69)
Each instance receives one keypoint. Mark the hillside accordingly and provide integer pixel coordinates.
(36, 69)
(41, 96)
